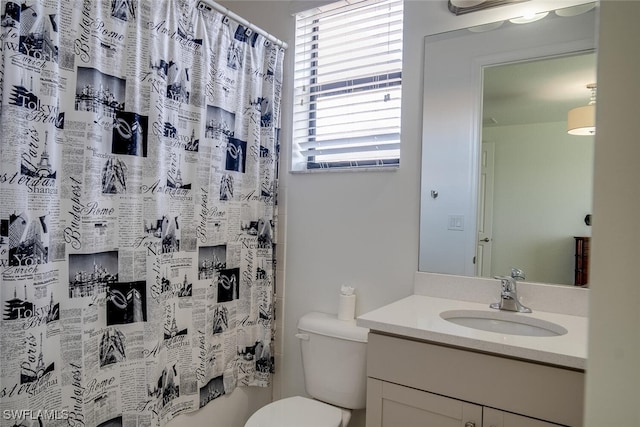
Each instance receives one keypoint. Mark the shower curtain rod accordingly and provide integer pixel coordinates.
(213, 5)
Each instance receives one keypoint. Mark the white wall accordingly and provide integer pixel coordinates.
(543, 190)
(613, 371)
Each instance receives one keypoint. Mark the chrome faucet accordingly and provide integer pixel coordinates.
(509, 294)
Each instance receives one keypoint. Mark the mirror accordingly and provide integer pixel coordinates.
(509, 86)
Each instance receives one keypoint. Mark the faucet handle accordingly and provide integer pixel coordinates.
(507, 282)
(517, 273)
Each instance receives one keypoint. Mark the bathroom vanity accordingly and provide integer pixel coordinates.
(424, 370)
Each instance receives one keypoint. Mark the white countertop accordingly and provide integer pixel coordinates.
(418, 317)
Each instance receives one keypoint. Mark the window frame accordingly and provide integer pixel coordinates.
(336, 88)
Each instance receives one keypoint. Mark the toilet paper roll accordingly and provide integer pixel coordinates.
(347, 307)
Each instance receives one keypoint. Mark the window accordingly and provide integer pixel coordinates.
(348, 74)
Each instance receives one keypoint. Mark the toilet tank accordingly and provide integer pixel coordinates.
(334, 356)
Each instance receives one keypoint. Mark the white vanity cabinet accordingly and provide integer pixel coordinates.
(390, 404)
(495, 418)
(413, 383)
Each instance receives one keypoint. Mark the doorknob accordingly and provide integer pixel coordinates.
(486, 239)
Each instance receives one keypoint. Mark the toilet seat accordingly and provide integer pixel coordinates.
(296, 411)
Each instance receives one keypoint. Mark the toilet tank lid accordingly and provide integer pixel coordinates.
(331, 326)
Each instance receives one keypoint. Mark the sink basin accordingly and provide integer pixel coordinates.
(504, 323)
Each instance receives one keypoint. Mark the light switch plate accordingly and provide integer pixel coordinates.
(456, 222)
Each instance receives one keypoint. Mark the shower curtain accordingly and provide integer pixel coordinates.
(139, 153)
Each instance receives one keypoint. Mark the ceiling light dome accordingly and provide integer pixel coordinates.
(582, 120)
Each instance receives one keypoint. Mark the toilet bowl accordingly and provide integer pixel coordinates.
(334, 367)
(299, 411)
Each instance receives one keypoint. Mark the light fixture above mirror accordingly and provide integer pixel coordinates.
(582, 120)
(459, 7)
(529, 18)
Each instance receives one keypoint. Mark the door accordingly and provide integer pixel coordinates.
(485, 211)
(392, 405)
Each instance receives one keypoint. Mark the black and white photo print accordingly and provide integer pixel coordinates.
(26, 92)
(18, 306)
(126, 303)
(113, 346)
(91, 274)
(236, 155)
(23, 305)
(178, 83)
(35, 160)
(211, 259)
(114, 176)
(33, 366)
(220, 319)
(129, 134)
(170, 234)
(167, 387)
(38, 32)
(174, 173)
(99, 93)
(28, 235)
(219, 122)
(11, 14)
(171, 328)
(228, 284)
(124, 9)
(226, 187)
(213, 390)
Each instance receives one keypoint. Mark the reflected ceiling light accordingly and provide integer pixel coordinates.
(526, 19)
(582, 120)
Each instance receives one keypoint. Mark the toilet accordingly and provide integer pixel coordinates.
(334, 366)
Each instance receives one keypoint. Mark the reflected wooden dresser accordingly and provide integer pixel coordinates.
(582, 261)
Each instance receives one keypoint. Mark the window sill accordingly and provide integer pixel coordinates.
(390, 168)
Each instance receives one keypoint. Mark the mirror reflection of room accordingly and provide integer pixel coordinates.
(512, 86)
(536, 178)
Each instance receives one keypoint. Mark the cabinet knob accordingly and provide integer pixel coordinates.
(469, 424)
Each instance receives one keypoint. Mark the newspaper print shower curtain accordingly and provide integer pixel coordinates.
(139, 153)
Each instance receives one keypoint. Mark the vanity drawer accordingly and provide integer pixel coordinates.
(535, 390)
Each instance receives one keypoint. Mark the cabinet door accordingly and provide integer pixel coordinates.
(495, 418)
(392, 405)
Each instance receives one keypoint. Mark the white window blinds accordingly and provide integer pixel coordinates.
(348, 74)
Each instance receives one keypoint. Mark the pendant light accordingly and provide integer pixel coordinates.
(582, 120)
